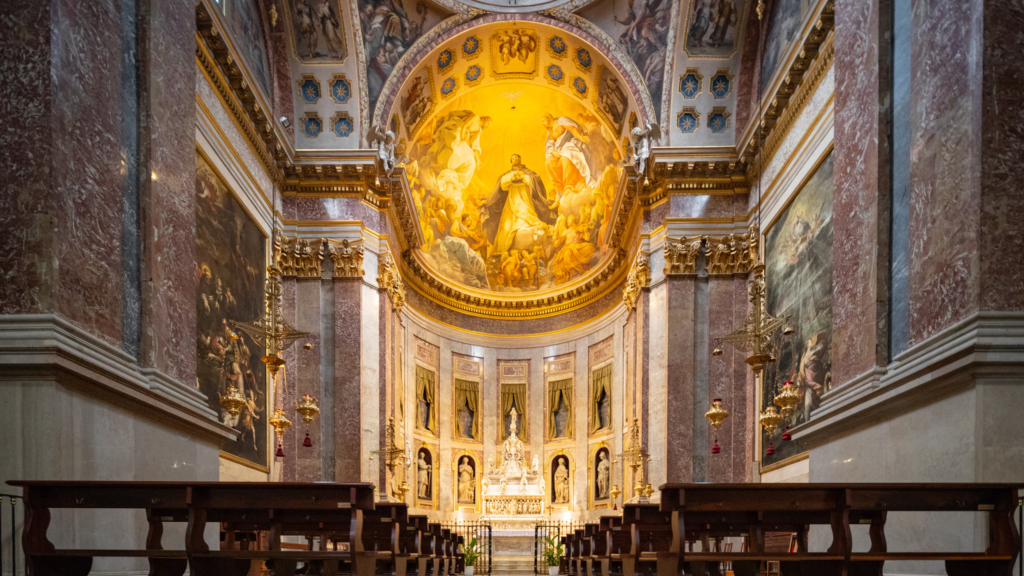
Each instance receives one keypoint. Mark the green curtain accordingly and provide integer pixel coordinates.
(425, 390)
(559, 389)
(467, 393)
(602, 383)
(514, 393)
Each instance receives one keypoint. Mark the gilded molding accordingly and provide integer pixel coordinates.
(348, 259)
(298, 256)
(639, 278)
(390, 280)
(794, 78)
(681, 255)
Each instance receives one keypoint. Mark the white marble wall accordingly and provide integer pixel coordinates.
(536, 349)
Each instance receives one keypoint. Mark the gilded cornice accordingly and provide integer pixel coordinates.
(389, 279)
(681, 255)
(225, 75)
(299, 256)
(800, 69)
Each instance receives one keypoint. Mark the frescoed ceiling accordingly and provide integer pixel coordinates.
(514, 135)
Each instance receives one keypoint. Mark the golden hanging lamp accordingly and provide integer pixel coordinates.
(787, 400)
(280, 422)
(614, 492)
(716, 415)
(233, 401)
(308, 409)
(271, 330)
(770, 419)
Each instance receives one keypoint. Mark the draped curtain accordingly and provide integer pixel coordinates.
(559, 389)
(425, 391)
(467, 393)
(516, 393)
(602, 383)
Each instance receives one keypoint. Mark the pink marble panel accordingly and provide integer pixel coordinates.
(680, 373)
(856, 192)
(721, 302)
(305, 208)
(945, 196)
(1002, 159)
(308, 319)
(347, 393)
(280, 67)
(746, 95)
(692, 206)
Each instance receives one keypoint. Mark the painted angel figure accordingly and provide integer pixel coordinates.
(384, 140)
(643, 140)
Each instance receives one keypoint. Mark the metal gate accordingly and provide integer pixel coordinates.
(540, 535)
(482, 532)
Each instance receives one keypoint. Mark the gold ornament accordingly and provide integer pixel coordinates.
(787, 401)
(634, 457)
(280, 422)
(770, 419)
(715, 415)
(307, 409)
(233, 402)
(756, 334)
(271, 330)
(614, 492)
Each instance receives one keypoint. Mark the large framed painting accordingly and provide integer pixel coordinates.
(798, 272)
(247, 29)
(713, 27)
(784, 19)
(318, 31)
(230, 263)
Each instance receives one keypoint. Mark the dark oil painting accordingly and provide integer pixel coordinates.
(798, 272)
(230, 264)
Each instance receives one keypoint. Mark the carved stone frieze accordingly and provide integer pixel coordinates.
(681, 255)
(299, 256)
(348, 259)
(639, 278)
(390, 280)
(514, 505)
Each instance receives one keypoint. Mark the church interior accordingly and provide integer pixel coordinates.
(512, 287)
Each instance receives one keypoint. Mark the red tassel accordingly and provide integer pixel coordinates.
(785, 435)
(280, 451)
(771, 449)
(716, 448)
(307, 442)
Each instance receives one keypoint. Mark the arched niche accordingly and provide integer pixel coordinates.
(466, 485)
(560, 488)
(425, 469)
(600, 465)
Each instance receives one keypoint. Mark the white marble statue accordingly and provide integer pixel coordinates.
(603, 473)
(467, 493)
(536, 465)
(562, 482)
(643, 141)
(513, 459)
(423, 478)
(384, 140)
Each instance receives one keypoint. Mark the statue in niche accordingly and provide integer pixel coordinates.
(423, 470)
(424, 411)
(466, 417)
(604, 470)
(467, 492)
(561, 418)
(508, 418)
(602, 412)
(561, 483)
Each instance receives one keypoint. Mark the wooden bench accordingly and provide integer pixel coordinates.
(750, 510)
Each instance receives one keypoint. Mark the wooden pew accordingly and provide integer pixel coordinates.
(161, 501)
(281, 508)
(706, 510)
(440, 548)
(415, 540)
(383, 528)
(460, 558)
(618, 541)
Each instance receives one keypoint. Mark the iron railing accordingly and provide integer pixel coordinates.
(541, 533)
(482, 532)
(10, 541)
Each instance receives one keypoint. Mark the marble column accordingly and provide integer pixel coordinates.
(680, 398)
(348, 299)
(862, 190)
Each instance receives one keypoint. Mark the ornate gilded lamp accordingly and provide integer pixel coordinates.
(233, 401)
(614, 492)
(272, 331)
(770, 419)
(308, 409)
(787, 400)
(716, 415)
(280, 422)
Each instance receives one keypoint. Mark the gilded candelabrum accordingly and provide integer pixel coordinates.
(634, 457)
(308, 409)
(716, 415)
(233, 401)
(755, 336)
(615, 495)
(787, 400)
(280, 422)
(272, 331)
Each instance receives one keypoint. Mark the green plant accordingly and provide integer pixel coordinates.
(471, 552)
(553, 550)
